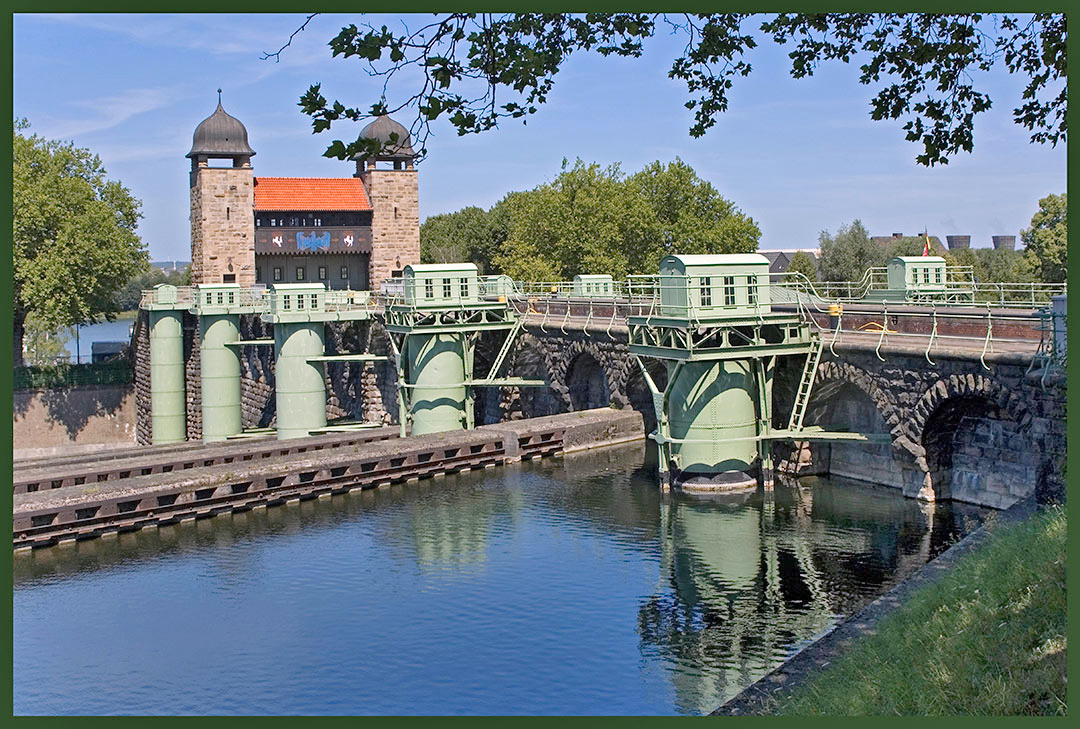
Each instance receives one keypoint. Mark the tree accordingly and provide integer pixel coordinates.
(922, 65)
(802, 263)
(846, 256)
(1046, 241)
(597, 220)
(690, 215)
(73, 235)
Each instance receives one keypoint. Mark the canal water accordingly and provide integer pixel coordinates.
(561, 586)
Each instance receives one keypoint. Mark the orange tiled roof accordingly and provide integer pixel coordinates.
(310, 193)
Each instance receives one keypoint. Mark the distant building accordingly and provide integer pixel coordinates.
(341, 232)
(779, 260)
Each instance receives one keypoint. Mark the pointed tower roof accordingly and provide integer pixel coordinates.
(220, 135)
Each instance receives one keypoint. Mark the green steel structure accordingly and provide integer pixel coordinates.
(434, 326)
(709, 319)
(219, 307)
(168, 393)
(299, 313)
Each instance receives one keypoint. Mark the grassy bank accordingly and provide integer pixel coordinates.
(989, 639)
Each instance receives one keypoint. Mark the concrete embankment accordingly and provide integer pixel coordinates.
(131, 500)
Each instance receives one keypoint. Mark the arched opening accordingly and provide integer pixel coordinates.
(837, 405)
(975, 453)
(587, 383)
(530, 363)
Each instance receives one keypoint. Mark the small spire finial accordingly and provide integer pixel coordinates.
(219, 97)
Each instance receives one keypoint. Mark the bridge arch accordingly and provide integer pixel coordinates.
(971, 430)
(846, 398)
(587, 383)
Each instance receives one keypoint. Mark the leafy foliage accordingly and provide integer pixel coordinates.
(593, 220)
(73, 234)
(802, 263)
(922, 64)
(127, 299)
(1047, 239)
(847, 255)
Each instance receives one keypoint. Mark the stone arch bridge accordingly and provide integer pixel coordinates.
(975, 427)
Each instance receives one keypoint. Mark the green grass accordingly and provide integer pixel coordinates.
(988, 639)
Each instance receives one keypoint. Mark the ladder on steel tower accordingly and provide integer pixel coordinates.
(802, 397)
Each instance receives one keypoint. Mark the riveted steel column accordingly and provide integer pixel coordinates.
(220, 376)
(709, 403)
(168, 397)
(300, 388)
(437, 366)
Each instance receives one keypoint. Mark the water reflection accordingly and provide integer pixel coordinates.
(565, 585)
(746, 580)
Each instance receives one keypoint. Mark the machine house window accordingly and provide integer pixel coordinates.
(729, 291)
(751, 290)
(429, 289)
(464, 288)
(706, 291)
(447, 288)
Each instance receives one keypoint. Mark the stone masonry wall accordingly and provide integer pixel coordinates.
(140, 340)
(222, 224)
(395, 221)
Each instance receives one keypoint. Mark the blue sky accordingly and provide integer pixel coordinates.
(799, 156)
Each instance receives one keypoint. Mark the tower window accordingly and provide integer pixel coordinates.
(228, 278)
(226, 213)
(322, 273)
(277, 273)
(300, 273)
(258, 274)
(344, 273)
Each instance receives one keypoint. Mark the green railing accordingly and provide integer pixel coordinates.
(73, 375)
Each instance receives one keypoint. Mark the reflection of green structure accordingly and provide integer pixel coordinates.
(439, 318)
(168, 393)
(732, 613)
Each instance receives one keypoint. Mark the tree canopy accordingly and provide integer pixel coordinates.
(591, 219)
(802, 263)
(1047, 239)
(73, 234)
(847, 255)
(475, 69)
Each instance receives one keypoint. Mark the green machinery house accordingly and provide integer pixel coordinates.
(924, 279)
(705, 286)
(441, 284)
(595, 284)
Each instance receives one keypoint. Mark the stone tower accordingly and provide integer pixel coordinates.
(222, 202)
(395, 199)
